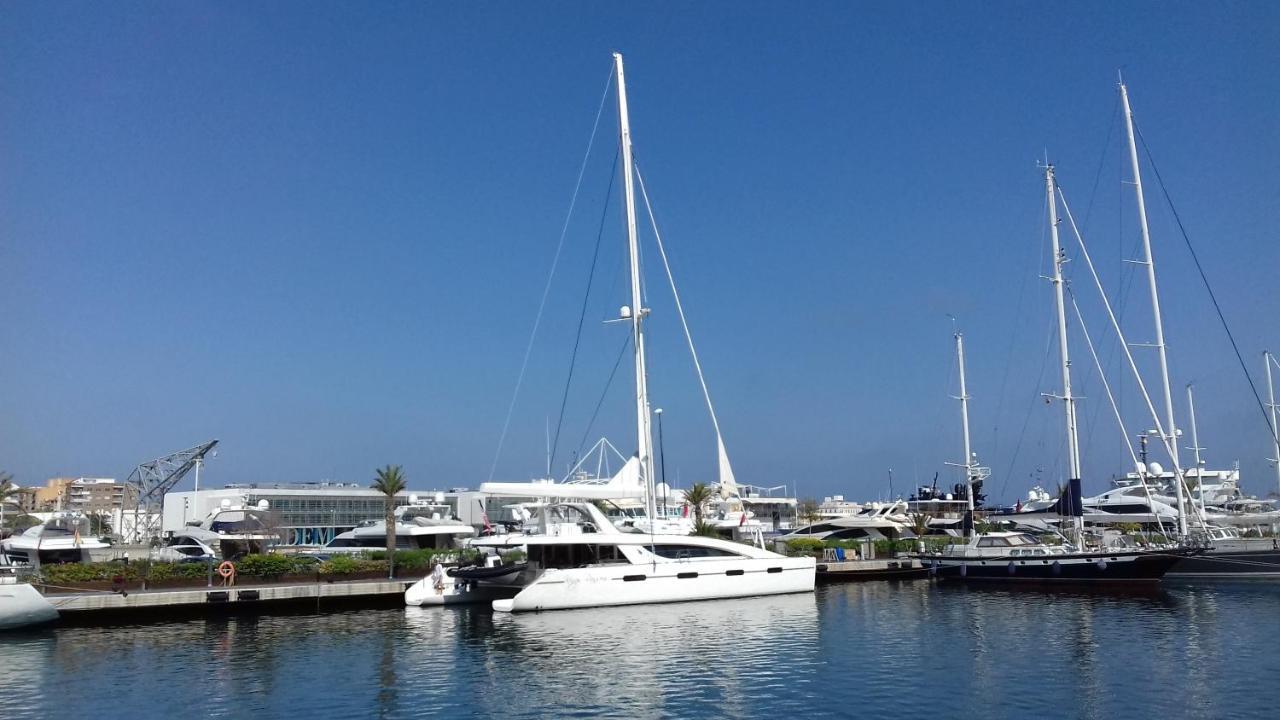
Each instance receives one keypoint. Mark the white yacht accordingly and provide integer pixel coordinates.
(191, 544)
(1129, 504)
(835, 506)
(20, 603)
(419, 526)
(235, 530)
(63, 538)
(576, 558)
(876, 521)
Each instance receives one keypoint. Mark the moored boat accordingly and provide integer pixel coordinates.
(1022, 557)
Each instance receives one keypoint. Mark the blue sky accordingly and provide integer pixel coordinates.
(319, 232)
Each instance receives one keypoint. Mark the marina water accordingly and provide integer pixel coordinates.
(912, 649)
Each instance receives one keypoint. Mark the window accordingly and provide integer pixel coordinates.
(993, 542)
(680, 552)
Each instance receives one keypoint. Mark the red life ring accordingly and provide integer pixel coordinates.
(227, 569)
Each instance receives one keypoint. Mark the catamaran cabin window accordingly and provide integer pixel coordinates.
(679, 552)
(993, 542)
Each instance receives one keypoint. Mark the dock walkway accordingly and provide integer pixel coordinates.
(93, 606)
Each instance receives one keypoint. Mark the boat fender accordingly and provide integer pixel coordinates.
(1011, 567)
(1102, 564)
(964, 570)
(1057, 568)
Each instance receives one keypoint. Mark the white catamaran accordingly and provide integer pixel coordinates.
(576, 557)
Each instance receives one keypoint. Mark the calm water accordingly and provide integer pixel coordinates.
(870, 650)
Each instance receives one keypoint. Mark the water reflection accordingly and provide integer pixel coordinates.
(860, 649)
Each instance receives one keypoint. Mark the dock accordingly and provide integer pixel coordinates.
(99, 607)
(889, 569)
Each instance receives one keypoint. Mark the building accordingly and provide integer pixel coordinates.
(50, 496)
(88, 495)
(22, 499)
(309, 513)
(94, 495)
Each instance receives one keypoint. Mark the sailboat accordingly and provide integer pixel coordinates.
(1014, 556)
(576, 557)
(1227, 554)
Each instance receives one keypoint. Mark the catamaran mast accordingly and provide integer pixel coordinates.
(1068, 400)
(964, 414)
(1171, 439)
(636, 312)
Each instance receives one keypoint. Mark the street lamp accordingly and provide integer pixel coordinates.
(662, 460)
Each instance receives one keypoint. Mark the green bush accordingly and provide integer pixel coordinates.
(152, 572)
(805, 546)
(89, 572)
(345, 565)
(512, 557)
(272, 566)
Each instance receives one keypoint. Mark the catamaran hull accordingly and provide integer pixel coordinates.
(610, 585)
(22, 605)
(1090, 568)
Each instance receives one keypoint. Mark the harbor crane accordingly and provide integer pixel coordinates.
(149, 482)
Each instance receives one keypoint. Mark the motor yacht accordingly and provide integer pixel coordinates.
(191, 544)
(417, 527)
(875, 521)
(235, 530)
(63, 538)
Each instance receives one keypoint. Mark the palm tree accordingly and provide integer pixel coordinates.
(99, 524)
(390, 482)
(7, 488)
(920, 524)
(698, 496)
(807, 511)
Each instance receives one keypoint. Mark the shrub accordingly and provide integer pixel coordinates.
(805, 546)
(705, 529)
(512, 557)
(271, 566)
(343, 565)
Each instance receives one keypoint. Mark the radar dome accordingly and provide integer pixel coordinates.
(1155, 468)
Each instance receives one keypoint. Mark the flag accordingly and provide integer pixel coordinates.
(684, 511)
(484, 516)
(743, 520)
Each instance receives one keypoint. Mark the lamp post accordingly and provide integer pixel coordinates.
(662, 462)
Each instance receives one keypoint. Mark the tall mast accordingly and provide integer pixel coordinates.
(1195, 447)
(1271, 402)
(1172, 438)
(636, 313)
(964, 415)
(1068, 400)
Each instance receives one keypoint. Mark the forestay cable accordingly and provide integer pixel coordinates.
(564, 230)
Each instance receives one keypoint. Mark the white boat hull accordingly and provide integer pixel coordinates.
(624, 584)
(22, 605)
(423, 593)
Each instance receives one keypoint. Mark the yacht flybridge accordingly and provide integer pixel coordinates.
(576, 556)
